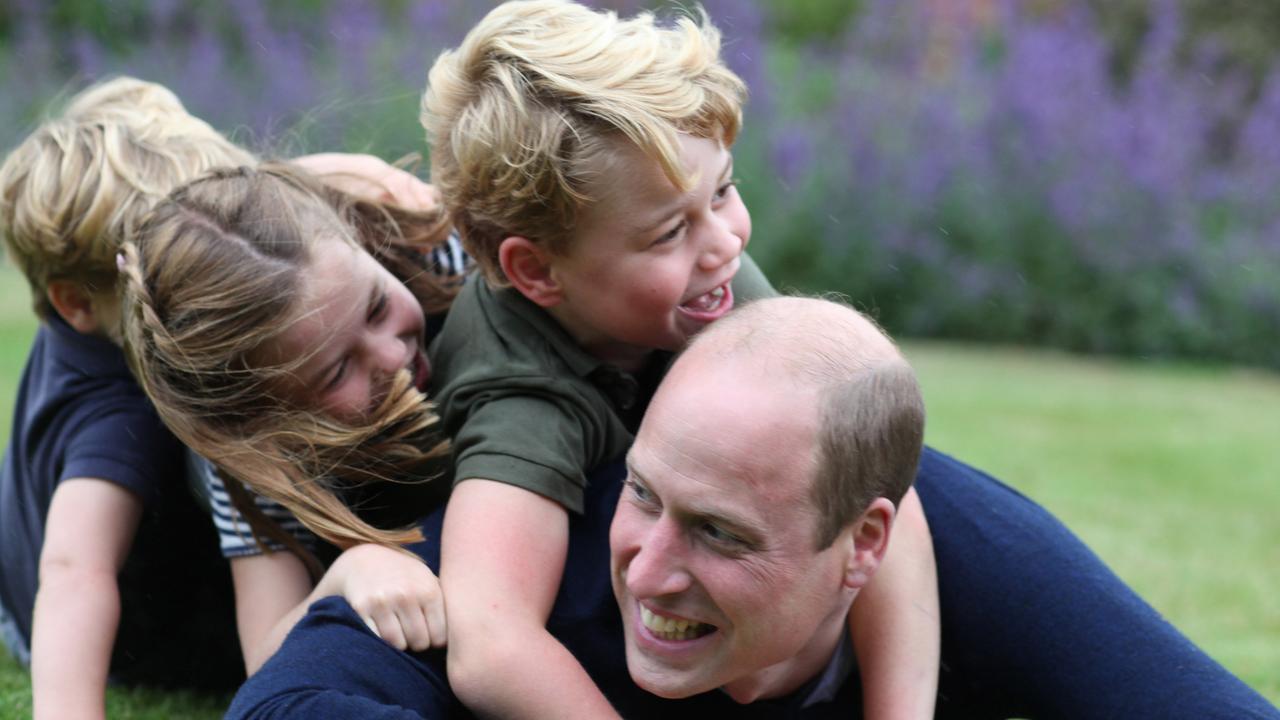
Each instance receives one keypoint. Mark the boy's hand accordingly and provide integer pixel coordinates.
(371, 178)
(395, 593)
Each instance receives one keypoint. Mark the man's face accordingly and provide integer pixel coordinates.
(650, 265)
(713, 559)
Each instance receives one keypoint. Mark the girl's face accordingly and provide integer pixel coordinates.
(356, 326)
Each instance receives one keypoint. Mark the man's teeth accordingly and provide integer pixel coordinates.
(672, 629)
(707, 302)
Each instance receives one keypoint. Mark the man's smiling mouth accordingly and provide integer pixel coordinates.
(666, 628)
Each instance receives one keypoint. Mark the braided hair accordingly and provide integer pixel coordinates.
(214, 273)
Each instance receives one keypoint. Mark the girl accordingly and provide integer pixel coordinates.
(232, 253)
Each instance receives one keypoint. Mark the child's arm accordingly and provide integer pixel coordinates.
(370, 177)
(895, 623)
(396, 593)
(503, 552)
(88, 533)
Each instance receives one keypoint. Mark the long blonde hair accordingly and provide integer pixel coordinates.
(71, 192)
(537, 90)
(213, 274)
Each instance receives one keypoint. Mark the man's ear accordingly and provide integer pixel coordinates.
(869, 535)
(74, 304)
(527, 266)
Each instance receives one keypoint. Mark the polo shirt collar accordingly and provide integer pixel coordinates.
(622, 388)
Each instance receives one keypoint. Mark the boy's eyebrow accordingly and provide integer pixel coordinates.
(646, 227)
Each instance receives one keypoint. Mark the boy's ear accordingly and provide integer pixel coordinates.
(74, 304)
(869, 536)
(527, 266)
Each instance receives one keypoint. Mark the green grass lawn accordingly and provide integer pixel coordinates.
(1168, 472)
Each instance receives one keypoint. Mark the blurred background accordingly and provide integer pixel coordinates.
(998, 182)
(1097, 176)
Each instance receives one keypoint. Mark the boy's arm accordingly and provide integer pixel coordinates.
(503, 552)
(88, 533)
(895, 623)
(372, 178)
(395, 593)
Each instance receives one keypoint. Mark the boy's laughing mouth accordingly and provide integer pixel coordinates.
(710, 305)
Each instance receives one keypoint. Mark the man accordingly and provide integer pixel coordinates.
(758, 498)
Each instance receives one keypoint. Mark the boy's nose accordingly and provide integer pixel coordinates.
(722, 246)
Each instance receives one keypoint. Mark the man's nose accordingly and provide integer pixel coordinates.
(720, 244)
(658, 567)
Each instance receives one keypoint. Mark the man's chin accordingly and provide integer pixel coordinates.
(664, 681)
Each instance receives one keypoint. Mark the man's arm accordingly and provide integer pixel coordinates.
(88, 533)
(895, 623)
(503, 552)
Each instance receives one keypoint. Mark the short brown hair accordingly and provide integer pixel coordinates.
(74, 189)
(537, 89)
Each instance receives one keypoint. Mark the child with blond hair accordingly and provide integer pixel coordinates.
(109, 567)
(586, 162)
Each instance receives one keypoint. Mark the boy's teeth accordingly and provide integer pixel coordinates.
(708, 301)
(672, 629)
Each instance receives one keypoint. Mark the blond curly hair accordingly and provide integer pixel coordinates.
(537, 90)
(74, 189)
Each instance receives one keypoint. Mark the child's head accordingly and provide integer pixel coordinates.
(272, 342)
(584, 159)
(71, 193)
(539, 94)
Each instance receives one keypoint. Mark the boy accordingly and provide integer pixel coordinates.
(585, 163)
(110, 568)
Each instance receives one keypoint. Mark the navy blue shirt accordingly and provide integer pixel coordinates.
(80, 414)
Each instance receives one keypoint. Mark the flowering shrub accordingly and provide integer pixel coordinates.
(961, 169)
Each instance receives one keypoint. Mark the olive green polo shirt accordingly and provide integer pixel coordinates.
(525, 405)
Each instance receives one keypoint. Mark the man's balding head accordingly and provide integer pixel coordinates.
(870, 412)
(760, 497)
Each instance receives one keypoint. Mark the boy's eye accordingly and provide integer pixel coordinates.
(723, 190)
(671, 235)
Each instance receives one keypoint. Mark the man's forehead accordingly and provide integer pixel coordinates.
(716, 426)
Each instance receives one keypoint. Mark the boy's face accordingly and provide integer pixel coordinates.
(649, 265)
(357, 326)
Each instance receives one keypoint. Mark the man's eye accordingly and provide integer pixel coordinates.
(720, 536)
(639, 492)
